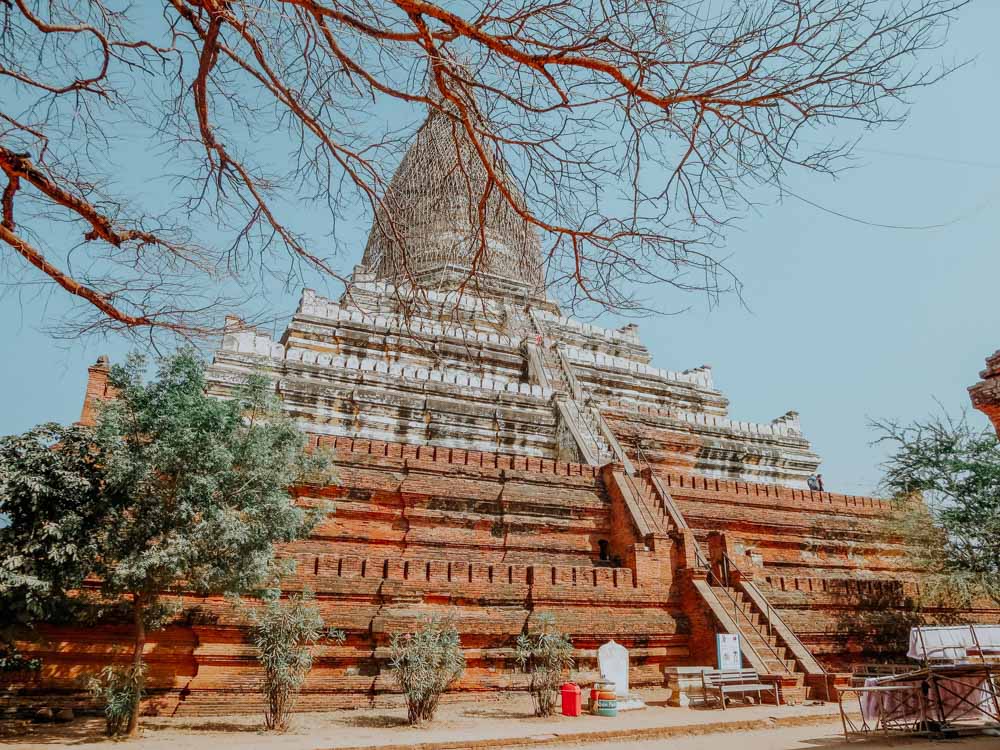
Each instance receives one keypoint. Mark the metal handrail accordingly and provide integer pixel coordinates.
(669, 507)
(730, 563)
(574, 384)
(771, 614)
(656, 490)
(737, 608)
(586, 425)
(650, 518)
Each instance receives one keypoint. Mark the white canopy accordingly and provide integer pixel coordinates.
(954, 642)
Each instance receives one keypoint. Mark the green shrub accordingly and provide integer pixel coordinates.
(284, 632)
(12, 660)
(425, 664)
(119, 689)
(545, 655)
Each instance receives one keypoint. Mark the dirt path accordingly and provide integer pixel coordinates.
(819, 737)
(491, 722)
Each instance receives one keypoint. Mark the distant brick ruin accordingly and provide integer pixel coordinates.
(496, 460)
(985, 394)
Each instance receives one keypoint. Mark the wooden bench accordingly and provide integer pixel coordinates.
(722, 682)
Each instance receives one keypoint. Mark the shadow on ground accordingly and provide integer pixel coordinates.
(378, 721)
(76, 732)
(498, 713)
(839, 740)
(203, 726)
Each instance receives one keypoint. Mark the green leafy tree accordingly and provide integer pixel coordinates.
(53, 509)
(945, 476)
(545, 655)
(284, 633)
(425, 664)
(176, 492)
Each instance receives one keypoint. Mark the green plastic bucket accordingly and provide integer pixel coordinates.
(607, 707)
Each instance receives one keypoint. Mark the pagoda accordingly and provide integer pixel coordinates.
(444, 337)
(496, 460)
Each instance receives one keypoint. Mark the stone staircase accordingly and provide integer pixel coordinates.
(591, 419)
(581, 424)
(549, 366)
(756, 632)
(769, 646)
(653, 502)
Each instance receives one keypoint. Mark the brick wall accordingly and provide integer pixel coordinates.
(493, 541)
(489, 540)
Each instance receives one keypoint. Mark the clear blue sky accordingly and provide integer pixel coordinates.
(846, 321)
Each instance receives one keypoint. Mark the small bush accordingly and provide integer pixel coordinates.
(284, 632)
(545, 655)
(425, 664)
(119, 688)
(12, 660)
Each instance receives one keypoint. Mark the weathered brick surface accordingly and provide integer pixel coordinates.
(494, 540)
(985, 394)
(490, 540)
(97, 390)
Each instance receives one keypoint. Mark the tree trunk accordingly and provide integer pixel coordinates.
(140, 643)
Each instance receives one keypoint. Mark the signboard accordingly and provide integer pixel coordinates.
(727, 649)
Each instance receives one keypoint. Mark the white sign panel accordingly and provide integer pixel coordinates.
(727, 649)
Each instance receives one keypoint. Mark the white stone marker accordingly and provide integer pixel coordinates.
(612, 659)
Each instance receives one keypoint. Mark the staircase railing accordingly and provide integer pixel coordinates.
(571, 411)
(720, 585)
(788, 635)
(574, 385)
(678, 520)
(536, 366)
(676, 517)
(728, 565)
(648, 517)
(613, 444)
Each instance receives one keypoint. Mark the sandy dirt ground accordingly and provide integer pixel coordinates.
(818, 737)
(504, 721)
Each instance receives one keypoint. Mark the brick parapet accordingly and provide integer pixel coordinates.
(434, 457)
(718, 490)
(466, 577)
(770, 494)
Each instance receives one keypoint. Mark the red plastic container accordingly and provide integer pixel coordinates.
(572, 700)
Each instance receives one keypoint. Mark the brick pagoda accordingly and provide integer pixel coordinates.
(496, 460)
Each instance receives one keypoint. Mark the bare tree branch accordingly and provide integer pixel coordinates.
(625, 136)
